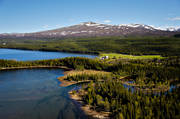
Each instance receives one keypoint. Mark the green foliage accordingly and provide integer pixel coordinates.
(79, 67)
(165, 46)
(86, 77)
(123, 56)
(112, 96)
(71, 62)
(161, 72)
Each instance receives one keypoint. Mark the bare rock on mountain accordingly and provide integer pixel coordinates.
(91, 29)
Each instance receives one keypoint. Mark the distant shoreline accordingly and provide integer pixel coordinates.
(34, 67)
(46, 50)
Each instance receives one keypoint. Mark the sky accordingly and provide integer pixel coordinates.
(20, 16)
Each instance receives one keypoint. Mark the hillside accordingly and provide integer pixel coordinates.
(166, 46)
(90, 37)
(91, 29)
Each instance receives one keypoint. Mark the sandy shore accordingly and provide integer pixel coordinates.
(76, 96)
(87, 108)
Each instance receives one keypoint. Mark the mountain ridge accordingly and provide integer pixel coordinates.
(92, 29)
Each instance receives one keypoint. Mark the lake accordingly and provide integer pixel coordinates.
(26, 55)
(35, 94)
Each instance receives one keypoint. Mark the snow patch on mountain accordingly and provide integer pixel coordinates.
(90, 29)
(90, 24)
(169, 28)
(137, 25)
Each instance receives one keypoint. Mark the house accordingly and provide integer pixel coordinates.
(105, 57)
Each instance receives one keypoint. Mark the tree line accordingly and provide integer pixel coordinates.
(165, 46)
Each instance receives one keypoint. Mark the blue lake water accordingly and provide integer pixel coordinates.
(25, 55)
(35, 94)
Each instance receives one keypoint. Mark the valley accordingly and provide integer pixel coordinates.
(145, 81)
(165, 46)
(114, 76)
(89, 59)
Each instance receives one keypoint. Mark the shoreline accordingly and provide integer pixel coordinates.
(65, 83)
(147, 89)
(77, 100)
(71, 72)
(92, 114)
(34, 67)
(77, 97)
(87, 108)
(44, 50)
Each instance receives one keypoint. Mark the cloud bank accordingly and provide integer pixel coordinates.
(174, 19)
(107, 21)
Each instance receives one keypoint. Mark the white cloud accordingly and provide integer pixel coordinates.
(45, 26)
(58, 25)
(174, 19)
(107, 21)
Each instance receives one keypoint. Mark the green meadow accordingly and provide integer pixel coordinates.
(124, 56)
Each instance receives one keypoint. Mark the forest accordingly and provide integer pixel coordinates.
(152, 79)
(107, 92)
(165, 46)
(111, 96)
(143, 72)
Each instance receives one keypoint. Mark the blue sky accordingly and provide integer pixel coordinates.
(38, 15)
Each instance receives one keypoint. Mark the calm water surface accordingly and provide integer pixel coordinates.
(35, 94)
(24, 55)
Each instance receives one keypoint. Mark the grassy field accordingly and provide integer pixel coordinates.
(123, 56)
(77, 74)
(88, 72)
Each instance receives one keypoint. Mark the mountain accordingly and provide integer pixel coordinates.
(178, 30)
(91, 29)
(172, 29)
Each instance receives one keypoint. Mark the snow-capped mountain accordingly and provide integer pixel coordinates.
(91, 29)
(172, 29)
(138, 26)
